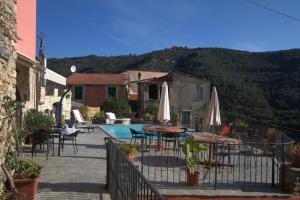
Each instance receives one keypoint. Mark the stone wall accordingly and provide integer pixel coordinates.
(8, 57)
(47, 101)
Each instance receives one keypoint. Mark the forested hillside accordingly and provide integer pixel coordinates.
(261, 86)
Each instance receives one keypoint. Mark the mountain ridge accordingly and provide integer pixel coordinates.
(259, 85)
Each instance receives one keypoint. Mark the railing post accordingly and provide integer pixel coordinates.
(106, 140)
(282, 163)
(273, 165)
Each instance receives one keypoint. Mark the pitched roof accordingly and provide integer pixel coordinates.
(97, 79)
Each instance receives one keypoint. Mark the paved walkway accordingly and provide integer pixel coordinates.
(71, 176)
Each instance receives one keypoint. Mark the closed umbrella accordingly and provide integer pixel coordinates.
(164, 107)
(213, 116)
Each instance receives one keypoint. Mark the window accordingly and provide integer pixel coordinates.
(78, 93)
(185, 118)
(112, 91)
(153, 91)
(200, 93)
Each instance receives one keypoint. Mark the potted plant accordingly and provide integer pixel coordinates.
(270, 134)
(191, 147)
(129, 150)
(25, 174)
(175, 119)
(35, 121)
(295, 155)
(99, 118)
(192, 175)
(147, 117)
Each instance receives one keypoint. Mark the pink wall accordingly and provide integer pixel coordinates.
(26, 27)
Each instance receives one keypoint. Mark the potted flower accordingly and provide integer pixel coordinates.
(129, 150)
(295, 155)
(25, 174)
(190, 147)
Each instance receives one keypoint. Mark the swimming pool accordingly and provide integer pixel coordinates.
(120, 131)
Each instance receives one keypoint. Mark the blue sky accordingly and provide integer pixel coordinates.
(118, 27)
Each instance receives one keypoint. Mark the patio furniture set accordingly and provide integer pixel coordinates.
(67, 132)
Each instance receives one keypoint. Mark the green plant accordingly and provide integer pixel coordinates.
(175, 119)
(240, 124)
(152, 109)
(127, 148)
(99, 116)
(8, 195)
(270, 134)
(23, 168)
(295, 149)
(147, 117)
(35, 120)
(116, 105)
(84, 110)
(295, 155)
(9, 109)
(192, 146)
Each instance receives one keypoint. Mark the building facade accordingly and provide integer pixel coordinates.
(188, 96)
(91, 89)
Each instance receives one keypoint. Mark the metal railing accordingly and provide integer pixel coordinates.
(124, 180)
(255, 161)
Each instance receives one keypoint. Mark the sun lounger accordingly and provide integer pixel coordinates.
(78, 118)
(111, 119)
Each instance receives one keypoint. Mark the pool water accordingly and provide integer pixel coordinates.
(120, 131)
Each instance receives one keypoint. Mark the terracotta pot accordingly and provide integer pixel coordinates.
(27, 187)
(28, 139)
(192, 179)
(131, 156)
(295, 159)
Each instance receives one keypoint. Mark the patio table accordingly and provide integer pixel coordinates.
(213, 140)
(172, 130)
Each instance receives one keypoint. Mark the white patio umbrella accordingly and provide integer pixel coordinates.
(164, 107)
(213, 115)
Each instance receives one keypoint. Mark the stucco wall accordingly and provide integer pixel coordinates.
(94, 95)
(182, 96)
(8, 69)
(26, 27)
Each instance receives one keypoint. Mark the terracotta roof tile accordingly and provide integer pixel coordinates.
(97, 79)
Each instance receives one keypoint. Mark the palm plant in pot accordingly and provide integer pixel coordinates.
(191, 147)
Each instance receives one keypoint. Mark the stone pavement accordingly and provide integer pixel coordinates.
(71, 176)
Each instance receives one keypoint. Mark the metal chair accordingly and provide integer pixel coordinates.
(41, 138)
(137, 135)
(70, 134)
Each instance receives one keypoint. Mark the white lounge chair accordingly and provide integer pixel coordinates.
(79, 119)
(111, 119)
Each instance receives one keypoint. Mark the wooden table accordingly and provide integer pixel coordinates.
(214, 140)
(168, 130)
